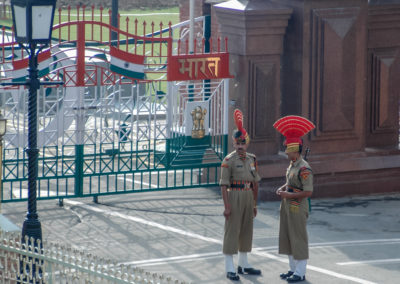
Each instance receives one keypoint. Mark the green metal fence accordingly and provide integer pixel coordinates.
(112, 134)
(122, 149)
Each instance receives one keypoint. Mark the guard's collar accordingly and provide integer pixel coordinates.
(297, 162)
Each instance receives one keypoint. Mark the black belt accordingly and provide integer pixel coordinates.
(242, 185)
(293, 189)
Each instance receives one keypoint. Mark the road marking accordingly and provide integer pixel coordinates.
(358, 242)
(339, 275)
(181, 261)
(353, 215)
(146, 175)
(175, 259)
(137, 182)
(343, 243)
(142, 221)
(256, 250)
(318, 269)
(376, 261)
(207, 239)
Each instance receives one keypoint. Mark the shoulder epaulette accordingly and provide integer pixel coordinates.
(304, 172)
(230, 155)
(226, 159)
(251, 155)
(224, 165)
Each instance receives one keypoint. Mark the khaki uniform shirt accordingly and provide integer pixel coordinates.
(238, 231)
(235, 169)
(299, 177)
(293, 237)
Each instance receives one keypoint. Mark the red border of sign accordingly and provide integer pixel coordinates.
(198, 66)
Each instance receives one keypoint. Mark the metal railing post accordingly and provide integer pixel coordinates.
(1, 170)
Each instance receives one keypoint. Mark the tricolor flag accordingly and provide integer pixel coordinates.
(20, 67)
(127, 64)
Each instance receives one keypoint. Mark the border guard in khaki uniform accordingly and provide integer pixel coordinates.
(239, 188)
(293, 237)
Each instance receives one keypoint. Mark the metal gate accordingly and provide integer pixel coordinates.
(107, 133)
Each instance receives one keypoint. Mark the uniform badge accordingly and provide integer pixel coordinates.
(304, 174)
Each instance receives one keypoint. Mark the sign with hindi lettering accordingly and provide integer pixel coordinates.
(198, 66)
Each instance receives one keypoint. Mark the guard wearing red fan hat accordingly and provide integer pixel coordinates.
(293, 237)
(239, 188)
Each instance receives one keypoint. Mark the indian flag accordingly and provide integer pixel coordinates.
(127, 64)
(20, 67)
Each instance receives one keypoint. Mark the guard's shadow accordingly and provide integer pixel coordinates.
(253, 278)
(256, 279)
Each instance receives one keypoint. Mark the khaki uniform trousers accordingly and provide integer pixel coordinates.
(293, 237)
(239, 226)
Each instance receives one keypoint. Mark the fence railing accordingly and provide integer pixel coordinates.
(104, 133)
(20, 262)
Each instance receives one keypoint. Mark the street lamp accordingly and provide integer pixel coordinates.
(3, 128)
(33, 23)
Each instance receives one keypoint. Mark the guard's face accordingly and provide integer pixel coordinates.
(240, 146)
(293, 156)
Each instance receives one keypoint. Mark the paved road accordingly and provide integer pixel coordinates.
(178, 233)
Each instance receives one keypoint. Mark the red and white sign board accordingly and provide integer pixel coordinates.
(198, 66)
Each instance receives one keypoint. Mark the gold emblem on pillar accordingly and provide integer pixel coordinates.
(198, 115)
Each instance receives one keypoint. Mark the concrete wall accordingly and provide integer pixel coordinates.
(335, 62)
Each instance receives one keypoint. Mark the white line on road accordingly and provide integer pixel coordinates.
(373, 241)
(344, 243)
(174, 259)
(258, 250)
(143, 221)
(220, 255)
(212, 240)
(137, 182)
(318, 269)
(376, 261)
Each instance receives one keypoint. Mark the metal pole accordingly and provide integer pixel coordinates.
(191, 27)
(226, 106)
(32, 227)
(1, 170)
(114, 21)
(207, 35)
(191, 44)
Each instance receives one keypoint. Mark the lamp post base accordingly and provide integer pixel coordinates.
(32, 228)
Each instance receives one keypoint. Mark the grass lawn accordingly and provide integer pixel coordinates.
(154, 15)
(95, 33)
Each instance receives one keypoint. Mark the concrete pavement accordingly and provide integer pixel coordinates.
(352, 240)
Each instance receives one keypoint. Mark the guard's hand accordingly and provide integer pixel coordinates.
(255, 212)
(285, 194)
(282, 188)
(227, 213)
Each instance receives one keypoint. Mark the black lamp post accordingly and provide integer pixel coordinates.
(33, 23)
(114, 21)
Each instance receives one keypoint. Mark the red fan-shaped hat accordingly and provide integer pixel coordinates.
(293, 127)
(238, 117)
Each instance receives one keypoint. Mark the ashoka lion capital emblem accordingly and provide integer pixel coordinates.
(198, 115)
